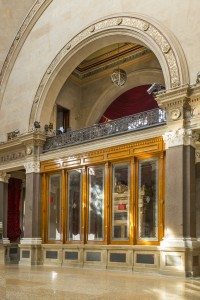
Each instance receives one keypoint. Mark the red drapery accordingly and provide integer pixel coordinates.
(14, 195)
(131, 102)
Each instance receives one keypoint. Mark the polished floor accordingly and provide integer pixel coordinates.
(74, 284)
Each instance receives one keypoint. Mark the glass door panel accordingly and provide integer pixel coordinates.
(54, 211)
(120, 201)
(74, 205)
(148, 200)
(96, 203)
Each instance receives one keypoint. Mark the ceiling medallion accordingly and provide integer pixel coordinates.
(118, 76)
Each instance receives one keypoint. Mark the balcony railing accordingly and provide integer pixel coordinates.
(150, 118)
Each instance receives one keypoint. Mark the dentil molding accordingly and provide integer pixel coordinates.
(180, 137)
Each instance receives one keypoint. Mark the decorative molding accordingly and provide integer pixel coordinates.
(28, 23)
(197, 155)
(32, 166)
(31, 241)
(4, 177)
(180, 137)
(11, 156)
(6, 241)
(175, 114)
(130, 58)
(173, 98)
(171, 242)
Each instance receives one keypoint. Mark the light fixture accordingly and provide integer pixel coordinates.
(118, 75)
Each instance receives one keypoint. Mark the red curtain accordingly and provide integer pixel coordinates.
(13, 221)
(131, 102)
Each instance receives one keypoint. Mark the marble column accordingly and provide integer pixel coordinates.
(180, 236)
(30, 245)
(180, 202)
(198, 194)
(4, 177)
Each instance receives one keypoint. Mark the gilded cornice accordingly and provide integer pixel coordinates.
(34, 14)
(154, 145)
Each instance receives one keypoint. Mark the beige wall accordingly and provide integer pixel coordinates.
(12, 14)
(63, 19)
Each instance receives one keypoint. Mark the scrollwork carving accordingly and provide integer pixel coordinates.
(180, 137)
(32, 167)
(4, 177)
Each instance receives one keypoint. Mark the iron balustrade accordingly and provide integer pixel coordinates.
(146, 119)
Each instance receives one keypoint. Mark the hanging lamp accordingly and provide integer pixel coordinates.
(118, 76)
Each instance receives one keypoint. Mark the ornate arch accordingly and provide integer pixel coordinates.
(153, 35)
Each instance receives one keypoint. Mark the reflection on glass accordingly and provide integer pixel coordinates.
(54, 223)
(120, 202)
(74, 205)
(148, 200)
(96, 204)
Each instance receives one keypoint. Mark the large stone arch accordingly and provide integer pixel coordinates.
(136, 78)
(139, 29)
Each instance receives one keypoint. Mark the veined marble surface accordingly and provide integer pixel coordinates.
(73, 284)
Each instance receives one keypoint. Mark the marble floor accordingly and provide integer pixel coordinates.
(74, 284)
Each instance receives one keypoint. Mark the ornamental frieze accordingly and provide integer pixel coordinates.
(7, 157)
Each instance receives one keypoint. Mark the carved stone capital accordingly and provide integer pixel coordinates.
(197, 155)
(32, 166)
(176, 103)
(4, 177)
(180, 137)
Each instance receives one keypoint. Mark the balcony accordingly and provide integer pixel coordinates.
(147, 119)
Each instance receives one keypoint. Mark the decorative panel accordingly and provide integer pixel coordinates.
(93, 256)
(145, 259)
(51, 254)
(71, 255)
(25, 254)
(172, 260)
(118, 257)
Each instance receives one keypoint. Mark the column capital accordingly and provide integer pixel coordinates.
(176, 103)
(179, 137)
(32, 166)
(4, 177)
